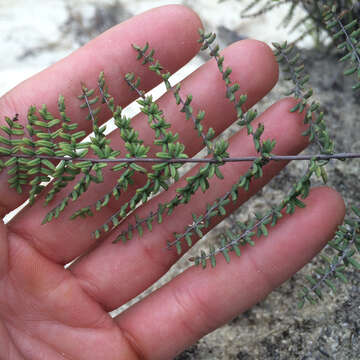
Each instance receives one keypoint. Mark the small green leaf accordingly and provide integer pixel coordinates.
(264, 230)
(137, 167)
(225, 252)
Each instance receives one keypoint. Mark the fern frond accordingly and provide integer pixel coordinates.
(92, 172)
(32, 154)
(199, 180)
(317, 131)
(170, 148)
(294, 70)
(231, 241)
(263, 148)
(136, 149)
(17, 170)
(345, 245)
(348, 36)
(156, 67)
(218, 207)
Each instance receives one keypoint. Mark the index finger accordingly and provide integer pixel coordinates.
(172, 30)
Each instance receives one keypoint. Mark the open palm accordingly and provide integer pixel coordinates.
(48, 312)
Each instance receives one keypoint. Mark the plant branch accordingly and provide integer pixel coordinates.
(337, 156)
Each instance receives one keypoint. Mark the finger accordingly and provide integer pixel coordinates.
(107, 273)
(189, 307)
(173, 30)
(58, 241)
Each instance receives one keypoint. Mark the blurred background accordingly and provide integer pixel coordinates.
(35, 34)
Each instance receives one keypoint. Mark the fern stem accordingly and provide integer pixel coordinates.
(337, 156)
(333, 268)
(200, 220)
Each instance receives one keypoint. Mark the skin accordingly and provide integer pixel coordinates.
(47, 312)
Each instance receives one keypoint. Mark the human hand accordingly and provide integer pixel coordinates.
(47, 312)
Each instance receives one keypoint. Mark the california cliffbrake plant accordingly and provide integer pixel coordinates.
(49, 150)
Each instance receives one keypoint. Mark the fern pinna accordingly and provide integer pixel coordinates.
(48, 154)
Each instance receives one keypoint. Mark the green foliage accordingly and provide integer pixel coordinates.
(344, 246)
(312, 22)
(341, 22)
(49, 154)
(347, 35)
